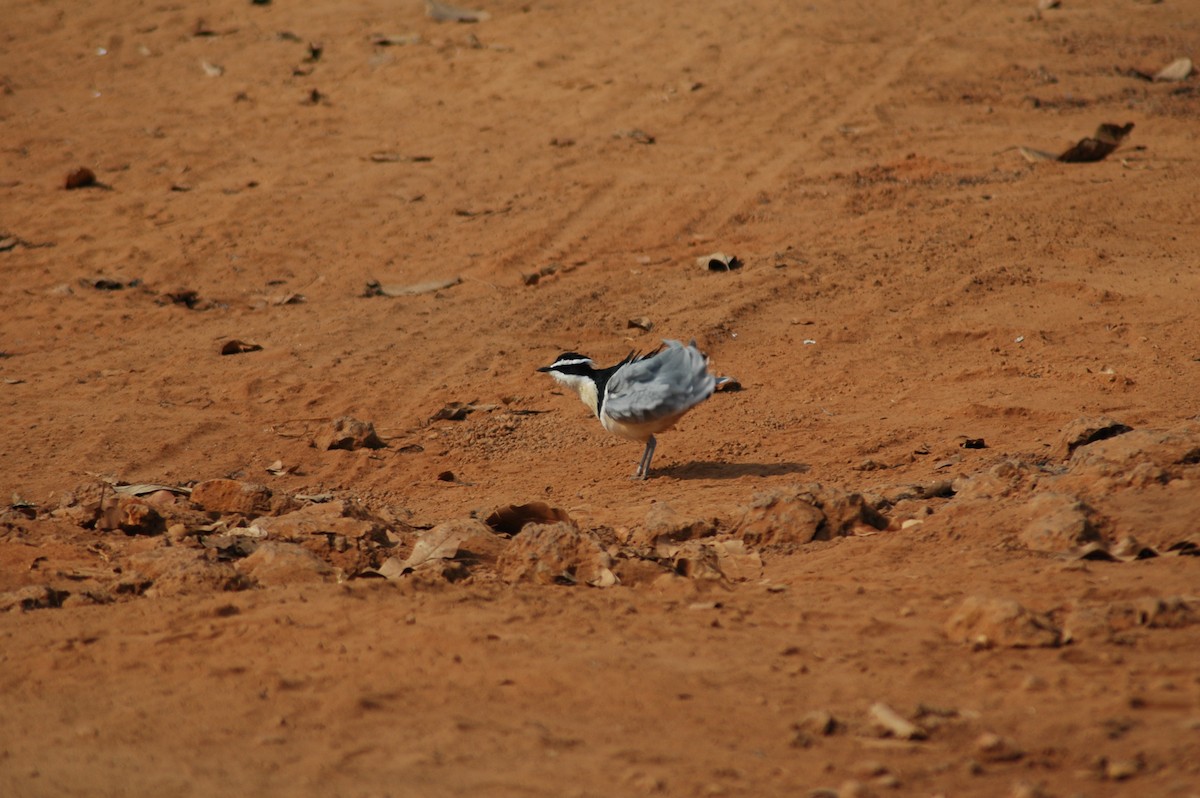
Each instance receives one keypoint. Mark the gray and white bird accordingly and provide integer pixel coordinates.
(643, 394)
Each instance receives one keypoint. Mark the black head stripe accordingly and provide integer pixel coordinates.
(570, 363)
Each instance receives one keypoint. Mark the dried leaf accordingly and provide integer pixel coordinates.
(453, 411)
(386, 40)
(144, 489)
(1179, 69)
(236, 347)
(278, 469)
(1098, 146)
(444, 12)
(890, 722)
(375, 288)
(719, 262)
(80, 178)
(1033, 156)
(535, 277)
(439, 543)
(512, 519)
(641, 323)
(638, 135)
(386, 156)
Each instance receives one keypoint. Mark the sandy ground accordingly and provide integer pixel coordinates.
(893, 511)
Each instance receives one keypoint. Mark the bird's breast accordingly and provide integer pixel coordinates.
(637, 431)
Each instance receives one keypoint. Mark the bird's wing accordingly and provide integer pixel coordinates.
(664, 384)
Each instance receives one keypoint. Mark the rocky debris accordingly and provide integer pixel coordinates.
(339, 518)
(1058, 523)
(663, 525)
(802, 515)
(556, 554)
(130, 515)
(937, 489)
(634, 571)
(985, 622)
(991, 747)
(1110, 620)
(1003, 479)
(888, 722)
(272, 564)
(1122, 768)
(813, 726)
(1085, 431)
(34, 597)
(348, 433)
(232, 496)
(173, 571)
(468, 542)
(712, 559)
(1118, 458)
(663, 521)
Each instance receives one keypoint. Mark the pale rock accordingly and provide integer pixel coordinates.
(275, 564)
(1058, 522)
(348, 433)
(985, 622)
(175, 571)
(1086, 431)
(232, 496)
(802, 515)
(555, 554)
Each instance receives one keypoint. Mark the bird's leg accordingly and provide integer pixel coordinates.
(643, 469)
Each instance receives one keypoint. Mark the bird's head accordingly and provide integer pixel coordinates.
(577, 372)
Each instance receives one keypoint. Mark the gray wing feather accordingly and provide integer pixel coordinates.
(662, 385)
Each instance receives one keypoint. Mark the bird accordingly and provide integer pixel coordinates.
(642, 395)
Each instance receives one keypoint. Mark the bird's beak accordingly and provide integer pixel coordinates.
(546, 368)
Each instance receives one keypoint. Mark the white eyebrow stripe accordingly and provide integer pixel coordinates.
(578, 362)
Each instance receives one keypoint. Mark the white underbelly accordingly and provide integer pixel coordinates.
(638, 432)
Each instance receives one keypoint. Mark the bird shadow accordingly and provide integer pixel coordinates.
(698, 469)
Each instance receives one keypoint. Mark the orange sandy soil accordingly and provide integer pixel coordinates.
(910, 282)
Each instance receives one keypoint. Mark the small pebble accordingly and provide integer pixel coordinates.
(1121, 769)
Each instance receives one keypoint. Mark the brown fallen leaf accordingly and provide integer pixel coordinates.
(394, 40)
(453, 411)
(110, 284)
(444, 12)
(534, 278)
(375, 288)
(511, 519)
(384, 156)
(637, 134)
(640, 323)
(80, 178)
(1098, 146)
(236, 347)
(439, 543)
(719, 262)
